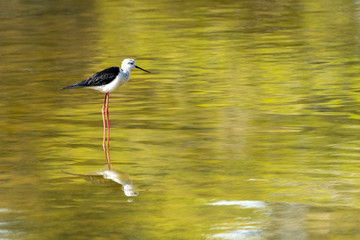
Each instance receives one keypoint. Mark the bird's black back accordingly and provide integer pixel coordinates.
(98, 79)
(101, 78)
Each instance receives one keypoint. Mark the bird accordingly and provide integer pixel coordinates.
(106, 81)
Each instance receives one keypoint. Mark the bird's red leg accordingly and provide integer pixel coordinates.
(108, 132)
(104, 124)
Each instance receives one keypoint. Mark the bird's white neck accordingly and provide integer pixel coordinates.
(125, 72)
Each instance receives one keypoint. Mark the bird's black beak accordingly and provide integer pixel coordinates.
(142, 69)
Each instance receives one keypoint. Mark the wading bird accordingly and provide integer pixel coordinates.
(107, 81)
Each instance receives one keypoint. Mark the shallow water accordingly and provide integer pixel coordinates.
(247, 128)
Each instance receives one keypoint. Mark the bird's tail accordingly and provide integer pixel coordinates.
(72, 86)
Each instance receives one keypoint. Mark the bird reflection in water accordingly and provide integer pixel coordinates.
(110, 176)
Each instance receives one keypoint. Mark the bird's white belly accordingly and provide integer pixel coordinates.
(117, 82)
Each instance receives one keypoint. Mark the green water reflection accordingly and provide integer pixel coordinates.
(247, 128)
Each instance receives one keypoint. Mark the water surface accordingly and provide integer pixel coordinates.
(247, 128)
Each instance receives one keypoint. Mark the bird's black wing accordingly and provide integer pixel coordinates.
(101, 78)
(98, 79)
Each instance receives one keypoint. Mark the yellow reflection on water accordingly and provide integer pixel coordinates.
(249, 102)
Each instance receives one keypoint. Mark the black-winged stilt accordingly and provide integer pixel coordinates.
(107, 81)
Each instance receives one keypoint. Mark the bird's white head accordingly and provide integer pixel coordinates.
(129, 64)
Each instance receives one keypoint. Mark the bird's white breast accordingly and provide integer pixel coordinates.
(120, 79)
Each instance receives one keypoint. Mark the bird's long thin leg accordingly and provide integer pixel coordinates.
(108, 131)
(104, 135)
(104, 122)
